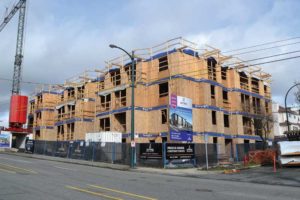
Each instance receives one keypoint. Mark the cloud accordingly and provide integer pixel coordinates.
(63, 38)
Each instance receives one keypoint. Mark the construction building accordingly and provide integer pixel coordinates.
(227, 96)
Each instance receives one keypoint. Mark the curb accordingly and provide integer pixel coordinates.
(71, 161)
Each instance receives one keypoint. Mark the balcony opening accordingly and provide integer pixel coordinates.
(105, 124)
(215, 140)
(39, 115)
(105, 102)
(164, 116)
(120, 98)
(213, 117)
(71, 111)
(226, 121)
(255, 85)
(101, 85)
(256, 105)
(71, 93)
(80, 92)
(37, 134)
(115, 77)
(39, 99)
(212, 91)
(121, 122)
(62, 97)
(244, 81)
(127, 69)
(245, 101)
(225, 96)
(211, 68)
(163, 63)
(163, 89)
(224, 73)
(247, 125)
(61, 113)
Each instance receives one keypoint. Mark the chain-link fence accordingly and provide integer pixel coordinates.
(147, 154)
(92, 151)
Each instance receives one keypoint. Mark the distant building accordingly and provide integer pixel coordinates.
(280, 121)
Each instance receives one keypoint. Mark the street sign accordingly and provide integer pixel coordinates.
(132, 143)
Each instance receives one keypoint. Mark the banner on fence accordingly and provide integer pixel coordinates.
(181, 118)
(180, 151)
(151, 151)
(5, 139)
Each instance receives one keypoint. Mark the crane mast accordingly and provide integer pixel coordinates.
(21, 6)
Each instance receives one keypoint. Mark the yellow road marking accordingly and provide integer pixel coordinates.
(18, 168)
(8, 171)
(93, 193)
(122, 192)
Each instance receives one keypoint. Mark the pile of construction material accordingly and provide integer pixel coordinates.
(289, 153)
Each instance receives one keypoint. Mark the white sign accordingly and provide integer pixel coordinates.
(107, 136)
(132, 143)
(184, 102)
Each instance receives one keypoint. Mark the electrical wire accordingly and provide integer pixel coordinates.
(263, 44)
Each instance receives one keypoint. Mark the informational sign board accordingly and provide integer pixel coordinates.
(106, 136)
(180, 151)
(5, 139)
(181, 118)
(151, 151)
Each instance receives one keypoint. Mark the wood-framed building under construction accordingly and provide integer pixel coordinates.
(226, 93)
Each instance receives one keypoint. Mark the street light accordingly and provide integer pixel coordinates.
(132, 158)
(286, 110)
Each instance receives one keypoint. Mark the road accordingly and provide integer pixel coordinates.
(32, 179)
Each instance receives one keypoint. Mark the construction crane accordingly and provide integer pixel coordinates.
(21, 7)
(18, 103)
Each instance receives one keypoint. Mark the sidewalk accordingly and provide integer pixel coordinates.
(68, 160)
(189, 172)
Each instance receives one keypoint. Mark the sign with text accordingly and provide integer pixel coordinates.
(180, 151)
(5, 139)
(151, 151)
(181, 118)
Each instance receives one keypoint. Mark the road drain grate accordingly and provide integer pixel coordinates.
(203, 190)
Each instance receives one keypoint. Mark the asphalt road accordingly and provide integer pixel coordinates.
(32, 179)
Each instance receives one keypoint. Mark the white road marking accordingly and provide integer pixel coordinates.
(59, 167)
(17, 160)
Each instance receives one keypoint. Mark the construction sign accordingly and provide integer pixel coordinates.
(181, 118)
(5, 139)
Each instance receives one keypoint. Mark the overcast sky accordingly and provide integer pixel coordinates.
(64, 37)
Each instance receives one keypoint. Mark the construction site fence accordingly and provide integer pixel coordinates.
(204, 155)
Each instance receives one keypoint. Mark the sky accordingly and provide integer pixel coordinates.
(63, 37)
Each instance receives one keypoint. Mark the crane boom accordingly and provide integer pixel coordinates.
(21, 6)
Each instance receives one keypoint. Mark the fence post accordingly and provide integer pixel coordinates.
(68, 150)
(206, 153)
(93, 152)
(113, 156)
(237, 152)
(164, 154)
(44, 147)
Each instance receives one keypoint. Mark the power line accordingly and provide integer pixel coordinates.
(263, 44)
(26, 82)
(245, 52)
(265, 57)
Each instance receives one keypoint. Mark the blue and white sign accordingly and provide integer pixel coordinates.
(181, 119)
(5, 140)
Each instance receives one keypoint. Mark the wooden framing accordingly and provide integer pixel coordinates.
(102, 102)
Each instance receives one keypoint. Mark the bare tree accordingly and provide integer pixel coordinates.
(263, 125)
(297, 93)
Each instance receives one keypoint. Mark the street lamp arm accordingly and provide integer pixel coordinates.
(286, 110)
(117, 47)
